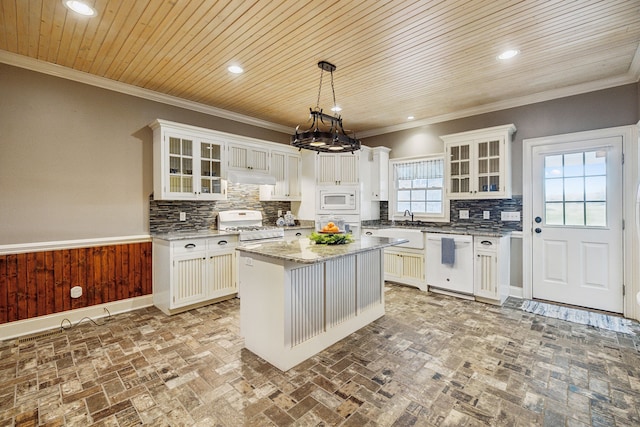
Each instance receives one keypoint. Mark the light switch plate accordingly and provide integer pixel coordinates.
(464, 214)
(486, 214)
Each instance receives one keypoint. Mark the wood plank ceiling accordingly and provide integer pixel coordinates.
(394, 58)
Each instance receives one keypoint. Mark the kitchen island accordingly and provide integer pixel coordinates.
(298, 298)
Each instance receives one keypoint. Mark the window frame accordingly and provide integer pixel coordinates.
(393, 215)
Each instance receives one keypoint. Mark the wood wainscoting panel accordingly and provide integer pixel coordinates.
(39, 283)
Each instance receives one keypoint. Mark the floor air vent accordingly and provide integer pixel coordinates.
(40, 335)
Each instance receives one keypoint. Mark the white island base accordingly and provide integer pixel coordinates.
(290, 311)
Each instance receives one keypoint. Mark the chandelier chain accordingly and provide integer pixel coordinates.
(333, 91)
(320, 88)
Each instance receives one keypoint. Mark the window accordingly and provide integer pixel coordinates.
(575, 188)
(418, 188)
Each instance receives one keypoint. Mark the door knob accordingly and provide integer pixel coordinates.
(538, 230)
(538, 220)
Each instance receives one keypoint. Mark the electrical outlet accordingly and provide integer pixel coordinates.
(183, 216)
(464, 214)
(279, 213)
(509, 216)
(486, 214)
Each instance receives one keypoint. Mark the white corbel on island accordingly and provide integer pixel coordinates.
(298, 298)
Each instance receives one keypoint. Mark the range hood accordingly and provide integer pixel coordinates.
(240, 177)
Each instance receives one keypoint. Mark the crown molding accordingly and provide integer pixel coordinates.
(630, 77)
(634, 68)
(104, 83)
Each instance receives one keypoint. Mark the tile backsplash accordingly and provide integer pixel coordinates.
(476, 209)
(164, 215)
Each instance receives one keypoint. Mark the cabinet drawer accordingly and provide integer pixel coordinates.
(188, 246)
(486, 243)
(222, 242)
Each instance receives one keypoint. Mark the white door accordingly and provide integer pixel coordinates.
(577, 245)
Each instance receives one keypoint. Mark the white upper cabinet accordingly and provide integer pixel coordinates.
(189, 163)
(248, 157)
(380, 174)
(337, 169)
(478, 163)
(286, 168)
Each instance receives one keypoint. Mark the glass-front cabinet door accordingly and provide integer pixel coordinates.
(180, 165)
(489, 166)
(211, 169)
(459, 164)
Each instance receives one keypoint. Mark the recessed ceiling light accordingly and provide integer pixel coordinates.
(336, 109)
(508, 54)
(80, 7)
(235, 69)
(410, 118)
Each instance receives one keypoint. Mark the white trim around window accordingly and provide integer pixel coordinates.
(427, 172)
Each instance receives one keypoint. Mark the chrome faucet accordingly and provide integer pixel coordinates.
(408, 212)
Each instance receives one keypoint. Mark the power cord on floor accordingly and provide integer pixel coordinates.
(71, 326)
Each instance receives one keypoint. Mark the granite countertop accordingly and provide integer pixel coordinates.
(183, 235)
(302, 250)
(447, 229)
(197, 234)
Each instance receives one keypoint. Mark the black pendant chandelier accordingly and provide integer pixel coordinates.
(325, 134)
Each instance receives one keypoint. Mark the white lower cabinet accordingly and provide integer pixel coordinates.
(492, 268)
(405, 267)
(194, 272)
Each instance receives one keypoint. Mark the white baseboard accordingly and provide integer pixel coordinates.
(51, 321)
(515, 291)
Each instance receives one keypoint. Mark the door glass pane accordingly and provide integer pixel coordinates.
(596, 214)
(584, 180)
(574, 213)
(595, 163)
(574, 189)
(554, 190)
(573, 164)
(553, 166)
(595, 188)
(554, 213)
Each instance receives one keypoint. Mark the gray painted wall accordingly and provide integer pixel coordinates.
(76, 160)
(612, 107)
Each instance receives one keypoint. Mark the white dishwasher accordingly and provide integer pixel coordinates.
(456, 277)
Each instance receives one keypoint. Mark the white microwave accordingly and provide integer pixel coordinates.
(345, 201)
